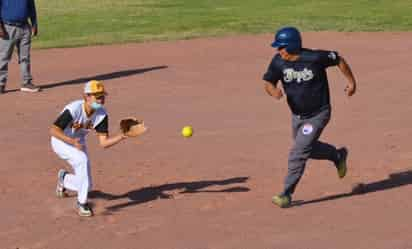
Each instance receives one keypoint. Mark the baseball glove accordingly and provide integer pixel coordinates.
(131, 127)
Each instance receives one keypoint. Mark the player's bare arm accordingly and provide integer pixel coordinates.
(105, 141)
(273, 91)
(57, 132)
(344, 67)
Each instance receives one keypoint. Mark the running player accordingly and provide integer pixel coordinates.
(303, 75)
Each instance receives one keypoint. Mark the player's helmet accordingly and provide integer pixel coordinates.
(289, 38)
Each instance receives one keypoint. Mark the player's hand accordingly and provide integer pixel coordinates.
(34, 31)
(273, 91)
(2, 33)
(350, 89)
(76, 143)
(278, 94)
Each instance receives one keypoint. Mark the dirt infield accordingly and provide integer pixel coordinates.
(212, 191)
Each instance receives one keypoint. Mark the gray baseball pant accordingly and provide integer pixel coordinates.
(21, 38)
(306, 133)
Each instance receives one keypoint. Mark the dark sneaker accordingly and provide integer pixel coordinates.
(341, 166)
(2, 89)
(29, 87)
(282, 201)
(84, 210)
(60, 190)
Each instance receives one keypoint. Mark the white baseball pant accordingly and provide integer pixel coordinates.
(81, 180)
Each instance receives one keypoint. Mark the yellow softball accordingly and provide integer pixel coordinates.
(187, 131)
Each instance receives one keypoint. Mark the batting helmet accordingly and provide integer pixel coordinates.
(289, 38)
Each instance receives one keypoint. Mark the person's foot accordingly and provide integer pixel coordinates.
(84, 210)
(2, 89)
(29, 87)
(341, 165)
(283, 201)
(60, 190)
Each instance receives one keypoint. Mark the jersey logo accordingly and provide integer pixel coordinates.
(289, 74)
(76, 125)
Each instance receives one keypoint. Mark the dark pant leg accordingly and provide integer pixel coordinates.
(306, 145)
(324, 151)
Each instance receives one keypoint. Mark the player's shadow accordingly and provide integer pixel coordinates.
(393, 181)
(107, 76)
(152, 193)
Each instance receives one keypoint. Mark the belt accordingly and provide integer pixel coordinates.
(15, 24)
(311, 115)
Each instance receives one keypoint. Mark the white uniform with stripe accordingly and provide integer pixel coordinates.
(79, 127)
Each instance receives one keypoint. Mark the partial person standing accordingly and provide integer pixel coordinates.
(304, 79)
(68, 135)
(16, 31)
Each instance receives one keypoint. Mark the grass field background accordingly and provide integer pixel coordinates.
(68, 23)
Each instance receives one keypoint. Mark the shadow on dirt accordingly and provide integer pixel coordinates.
(395, 180)
(152, 193)
(108, 76)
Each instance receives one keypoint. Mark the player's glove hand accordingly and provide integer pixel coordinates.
(132, 127)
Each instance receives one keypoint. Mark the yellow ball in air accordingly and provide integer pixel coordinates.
(187, 131)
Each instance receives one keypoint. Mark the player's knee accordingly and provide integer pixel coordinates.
(297, 162)
(297, 166)
(300, 153)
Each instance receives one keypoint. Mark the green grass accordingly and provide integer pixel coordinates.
(68, 23)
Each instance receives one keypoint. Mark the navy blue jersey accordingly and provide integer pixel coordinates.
(304, 80)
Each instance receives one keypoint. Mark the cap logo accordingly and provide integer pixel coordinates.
(94, 86)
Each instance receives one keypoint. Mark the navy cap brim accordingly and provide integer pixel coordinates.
(276, 44)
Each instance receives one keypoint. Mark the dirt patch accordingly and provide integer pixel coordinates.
(213, 190)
